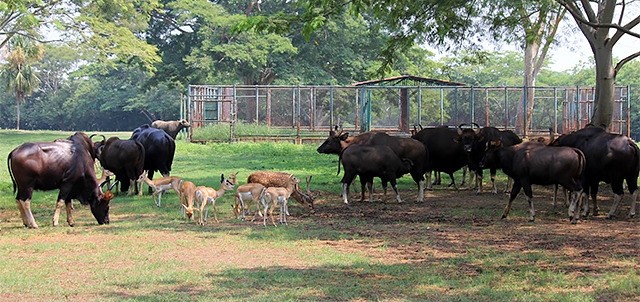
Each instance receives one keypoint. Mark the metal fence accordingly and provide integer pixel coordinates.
(397, 108)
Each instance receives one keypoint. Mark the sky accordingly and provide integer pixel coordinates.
(574, 49)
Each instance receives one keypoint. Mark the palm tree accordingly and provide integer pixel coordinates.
(17, 73)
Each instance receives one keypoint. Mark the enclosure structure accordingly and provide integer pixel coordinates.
(298, 113)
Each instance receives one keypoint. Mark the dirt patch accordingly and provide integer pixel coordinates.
(451, 223)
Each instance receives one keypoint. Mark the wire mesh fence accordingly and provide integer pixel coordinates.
(307, 112)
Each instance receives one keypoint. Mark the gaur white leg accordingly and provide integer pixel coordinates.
(632, 209)
(479, 184)
(421, 191)
(345, 192)
(69, 208)
(370, 190)
(395, 188)
(132, 187)
(31, 221)
(614, 208)
(585, 207)
(514, 192)
(464, 177)
(56, 213)
(576, 200)
(532, 211)
(494, 189)
(23, 216)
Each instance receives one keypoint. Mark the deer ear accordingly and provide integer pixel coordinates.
(221, 178)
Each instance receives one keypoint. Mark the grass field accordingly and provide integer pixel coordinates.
(453, 247)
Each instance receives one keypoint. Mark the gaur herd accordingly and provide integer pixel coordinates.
(577, 162)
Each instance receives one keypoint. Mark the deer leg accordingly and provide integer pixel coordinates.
(370, 190)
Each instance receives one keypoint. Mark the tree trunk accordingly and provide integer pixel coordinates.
(530, 74)
(605, 86)
(18, 101)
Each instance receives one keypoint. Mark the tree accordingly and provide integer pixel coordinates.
(19, 76)
(604, 23)
(533, 25)
(102, 30)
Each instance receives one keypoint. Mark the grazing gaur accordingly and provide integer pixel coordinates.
(369, 161)
(408, 148)
(611, 158)
(171, 127)
(125, 158)
(67, 165)
(446, 153)
(281, 179)
(159, 149)
(535, 163)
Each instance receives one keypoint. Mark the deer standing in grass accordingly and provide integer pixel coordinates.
(207, 195)
(246, 194)
(187, 194)
(278, 196)
(160, 185)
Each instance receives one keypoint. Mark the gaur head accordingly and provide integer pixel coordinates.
(332, 144)
(100, 208)
(490, 157)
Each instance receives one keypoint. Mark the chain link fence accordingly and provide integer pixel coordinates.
(307, 112)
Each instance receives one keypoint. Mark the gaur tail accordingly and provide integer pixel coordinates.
(13, 180)
(339, 161)
(635, 147)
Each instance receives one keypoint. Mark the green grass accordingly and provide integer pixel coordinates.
(339, 254)
(221, 132)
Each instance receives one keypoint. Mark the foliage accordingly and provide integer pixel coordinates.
(18, 73)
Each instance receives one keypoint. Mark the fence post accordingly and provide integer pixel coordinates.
(555, 110)
(441, 106)
(524, 117)
(257, 104)
(331, 107)
(628, 111)
(419, 104)
(486, 107)
(293, 107)
(473, 105)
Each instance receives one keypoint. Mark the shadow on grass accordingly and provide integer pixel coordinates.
(373, 282)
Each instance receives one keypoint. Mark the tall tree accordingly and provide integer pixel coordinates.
(533, 25)
(19, 75)
(604, 23)
(105, 30)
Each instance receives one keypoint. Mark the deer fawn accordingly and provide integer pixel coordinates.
(279, 196)
(251, 192)
(187, 194)
(160, 185)
(207, 195)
